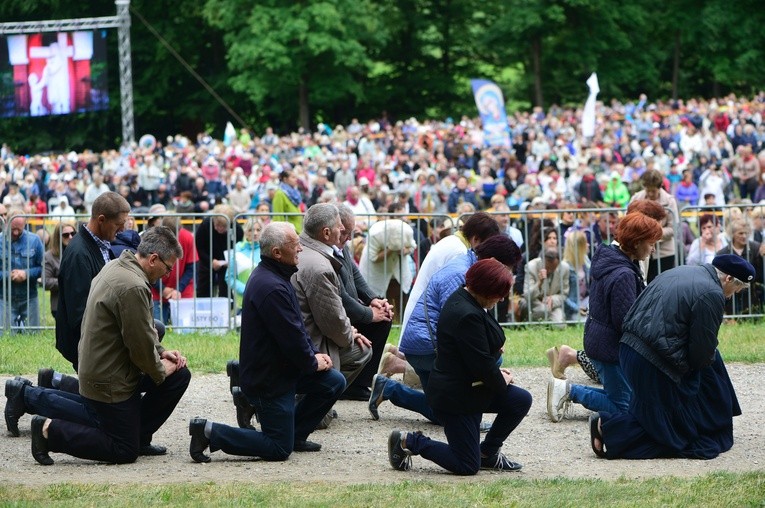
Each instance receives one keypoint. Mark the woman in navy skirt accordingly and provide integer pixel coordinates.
(683, 401)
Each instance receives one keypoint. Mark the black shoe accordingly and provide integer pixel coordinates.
(14, 406)
(398, 457)
(244, 410)
(232, 371)
(356, 393)
(45, 378)
(306, 446)
(199, 442)
(39, 443)
(151, 450)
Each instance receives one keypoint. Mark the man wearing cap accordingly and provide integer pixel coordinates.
(683, 401)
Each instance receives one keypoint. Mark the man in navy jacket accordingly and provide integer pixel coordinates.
(277, 359)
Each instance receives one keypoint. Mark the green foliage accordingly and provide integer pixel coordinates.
(287, 63)
(286, 56)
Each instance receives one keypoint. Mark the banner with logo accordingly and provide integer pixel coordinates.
(491, 106)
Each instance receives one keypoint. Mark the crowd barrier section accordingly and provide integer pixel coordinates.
(748, 220)
(389, 259)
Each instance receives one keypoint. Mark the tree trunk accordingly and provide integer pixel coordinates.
(676, 66)
(536, 68)
(305, 120)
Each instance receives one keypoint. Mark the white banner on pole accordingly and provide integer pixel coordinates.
(588, 116)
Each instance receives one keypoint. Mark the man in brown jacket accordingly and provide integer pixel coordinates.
(317, 285)
(121, 357)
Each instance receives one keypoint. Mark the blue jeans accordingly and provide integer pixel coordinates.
(462, 454)
(414, 400)
(422, 365)
(615, 395)
(282, 422)
(23, 312)
(161, 311)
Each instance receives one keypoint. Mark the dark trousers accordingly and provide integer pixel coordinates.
(122, 427)
(211, 282)
(282, 421)
(377, 333)
(462, 454)
(58, 404)
(657, 266)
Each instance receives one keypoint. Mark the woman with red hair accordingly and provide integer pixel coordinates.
(467, 381)
(616, 282)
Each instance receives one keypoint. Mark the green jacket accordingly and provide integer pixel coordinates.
(119, 343)
(282, 204)
(616, 193)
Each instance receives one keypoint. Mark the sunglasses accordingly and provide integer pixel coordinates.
(68, 235)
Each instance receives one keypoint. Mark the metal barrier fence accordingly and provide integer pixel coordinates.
(388, 247)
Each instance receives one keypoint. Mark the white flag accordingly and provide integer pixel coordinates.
(588, 116)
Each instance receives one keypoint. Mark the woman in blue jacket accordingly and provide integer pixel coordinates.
(467, 381)
(616, 282)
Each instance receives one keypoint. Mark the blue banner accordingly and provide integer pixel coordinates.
(491, 106)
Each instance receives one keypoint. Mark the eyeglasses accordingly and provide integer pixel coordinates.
(168, 268)
(68, 235)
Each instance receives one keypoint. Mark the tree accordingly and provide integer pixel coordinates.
(309, 53)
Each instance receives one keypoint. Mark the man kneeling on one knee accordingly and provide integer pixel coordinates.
(277, 360)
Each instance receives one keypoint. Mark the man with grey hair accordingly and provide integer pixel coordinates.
(319, 292)
(370, 313)
(277, 360)
(120, 357)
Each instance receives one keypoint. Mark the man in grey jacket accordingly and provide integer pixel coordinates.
(318, 289)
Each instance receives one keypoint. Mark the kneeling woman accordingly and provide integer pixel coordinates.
(467, 381)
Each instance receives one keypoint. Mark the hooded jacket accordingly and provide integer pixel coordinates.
(615, 284)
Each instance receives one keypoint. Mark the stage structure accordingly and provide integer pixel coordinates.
(71, 30)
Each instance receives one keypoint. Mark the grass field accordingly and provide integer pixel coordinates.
(207, 353)
(716, 490)
(24, 354)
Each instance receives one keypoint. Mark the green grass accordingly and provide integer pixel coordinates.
(718, 490)
(208, 353)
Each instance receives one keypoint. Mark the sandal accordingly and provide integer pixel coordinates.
(553, 356)
(595, 434)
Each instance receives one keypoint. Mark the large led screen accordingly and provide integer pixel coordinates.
(53, 73)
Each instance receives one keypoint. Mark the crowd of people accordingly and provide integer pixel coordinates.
(335, 251)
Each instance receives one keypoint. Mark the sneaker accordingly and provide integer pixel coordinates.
(398, 456)
(306, 446)
(500, 462)
(557, 398)
(376, 397)
(485, 427)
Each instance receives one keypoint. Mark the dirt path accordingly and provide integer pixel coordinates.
(354, 448)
